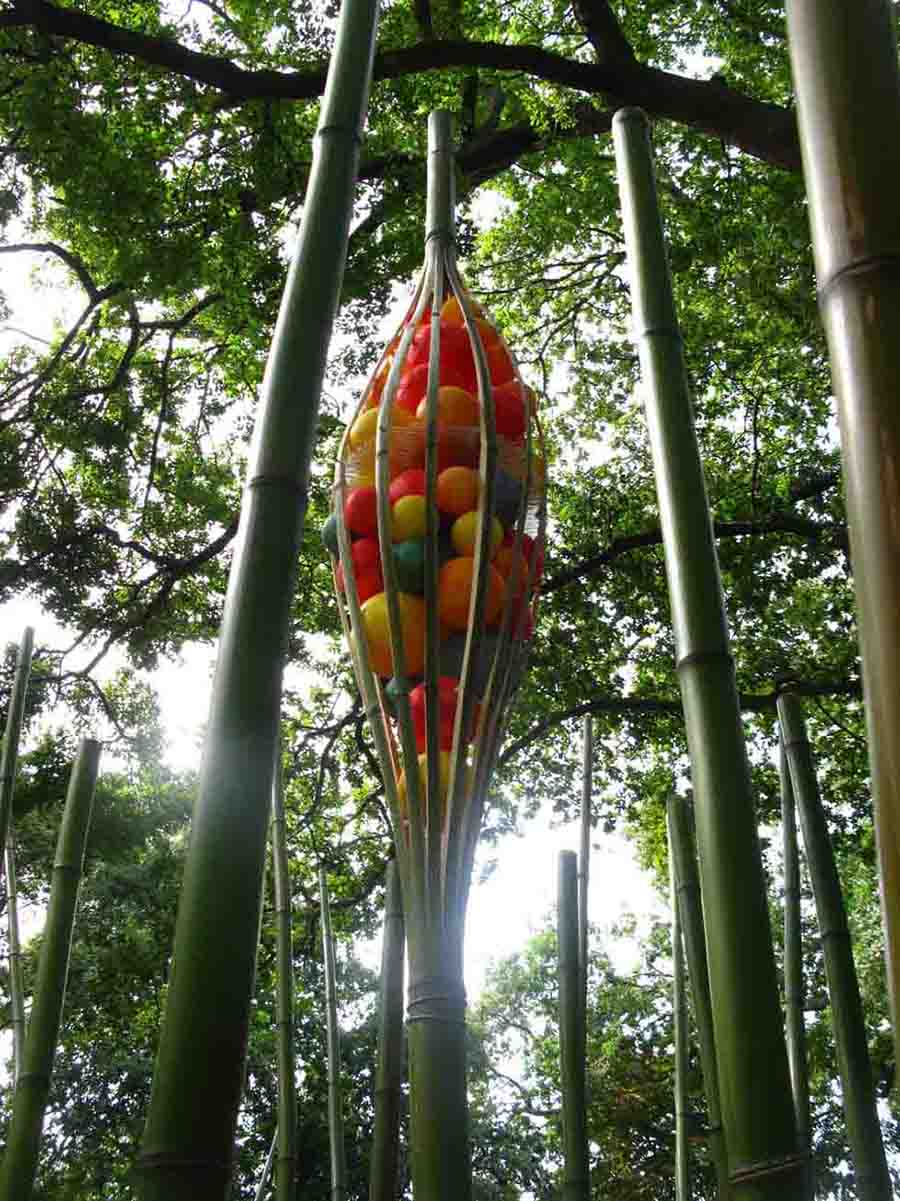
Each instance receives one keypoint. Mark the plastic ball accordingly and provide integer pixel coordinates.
(452, 311)
(361, 511)
(443, 782)
(365, 553)
(455, 406)
(392, 690)
(455, 350)
(457, 490)
(408, 519)
(368, 582)
(513, 566)
(409, 560)
(451, 655)
(500, 364)
(455, 582)
(509, 409)
(373, 400)
(414, 384)
(448, 698)
(507, 497)
(376, 624)
(464, 533)
(329, 535)
(408, 483)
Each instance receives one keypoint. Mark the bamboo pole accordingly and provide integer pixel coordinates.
(794, 991)
(576, 1179)
(844, 59)
(12, 734)
(335, 1097)
(687, 887)
(33, 1084)
(286, 1163)
(680, 1039)
(187, 1152)
(858, 1095)
(753, 1068)
(16, 982)
(584, 874)
(267, 1168)
(389, 1072)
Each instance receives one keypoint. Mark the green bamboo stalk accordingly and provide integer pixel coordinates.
(33, 1084)
(12, 733)
(844, 59)
(753, 1068)
(286, 1163)
(16, 982)
(389, 1072)
(794, 992)
(335, 1095)
(267, 1168)
(858, 1095)
(680, 1038)
(584, 874)
(576, 1179)
(187, 1152)
(687, 884)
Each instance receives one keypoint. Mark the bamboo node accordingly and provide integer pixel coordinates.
(695, 658)
(863, 266)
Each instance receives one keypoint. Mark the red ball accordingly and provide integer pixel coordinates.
(365, 553)
(448, 697)
(455, 353)
(500, 364)
(369, 583)
(414, 384)
(361, 511)
(509, 409)
(408, 483)
(530, 548)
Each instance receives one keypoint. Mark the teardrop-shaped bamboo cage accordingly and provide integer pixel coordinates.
(443, 617)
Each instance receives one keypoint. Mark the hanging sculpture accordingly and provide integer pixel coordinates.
(437, 537)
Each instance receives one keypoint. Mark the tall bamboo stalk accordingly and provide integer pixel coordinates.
(844, 59)
(335, 1092)
(33, 1084)
(863, 1129)
(286, 1163)
(187, 1150)
(576, 1180)
(680, 1038)
(687, 888)
(16, 981)
(794, 992)
(584, 873)
(753, 1068)
(8, 759)
(389, 1071)
(12, 734)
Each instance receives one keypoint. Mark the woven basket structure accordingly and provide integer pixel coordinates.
(438, 524)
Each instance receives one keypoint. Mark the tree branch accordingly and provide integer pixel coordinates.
(632, 706)
(604, 32)
(766, 131)
(785, 523)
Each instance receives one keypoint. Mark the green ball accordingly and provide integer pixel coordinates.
(392, 691)
(330, 535)
(409, 559)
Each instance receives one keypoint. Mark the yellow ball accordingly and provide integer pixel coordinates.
(408, 518)
(377, 626)
(443, 783)
(464, 534)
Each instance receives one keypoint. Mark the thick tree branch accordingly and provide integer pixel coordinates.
(766, 131)
(604, 32)
(634, 706)
(834, 532)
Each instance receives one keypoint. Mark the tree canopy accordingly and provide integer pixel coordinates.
(154, 161)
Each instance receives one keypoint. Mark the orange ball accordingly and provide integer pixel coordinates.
(377, 627)
(512, 565)
(455, 583)
(457, 490)
(455, 406)
(452, 311)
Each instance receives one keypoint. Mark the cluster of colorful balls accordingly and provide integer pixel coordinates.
(513, 574)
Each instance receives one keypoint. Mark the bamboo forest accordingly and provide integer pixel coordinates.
(476, 426)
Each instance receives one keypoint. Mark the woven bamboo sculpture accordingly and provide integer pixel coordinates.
(437, 535)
